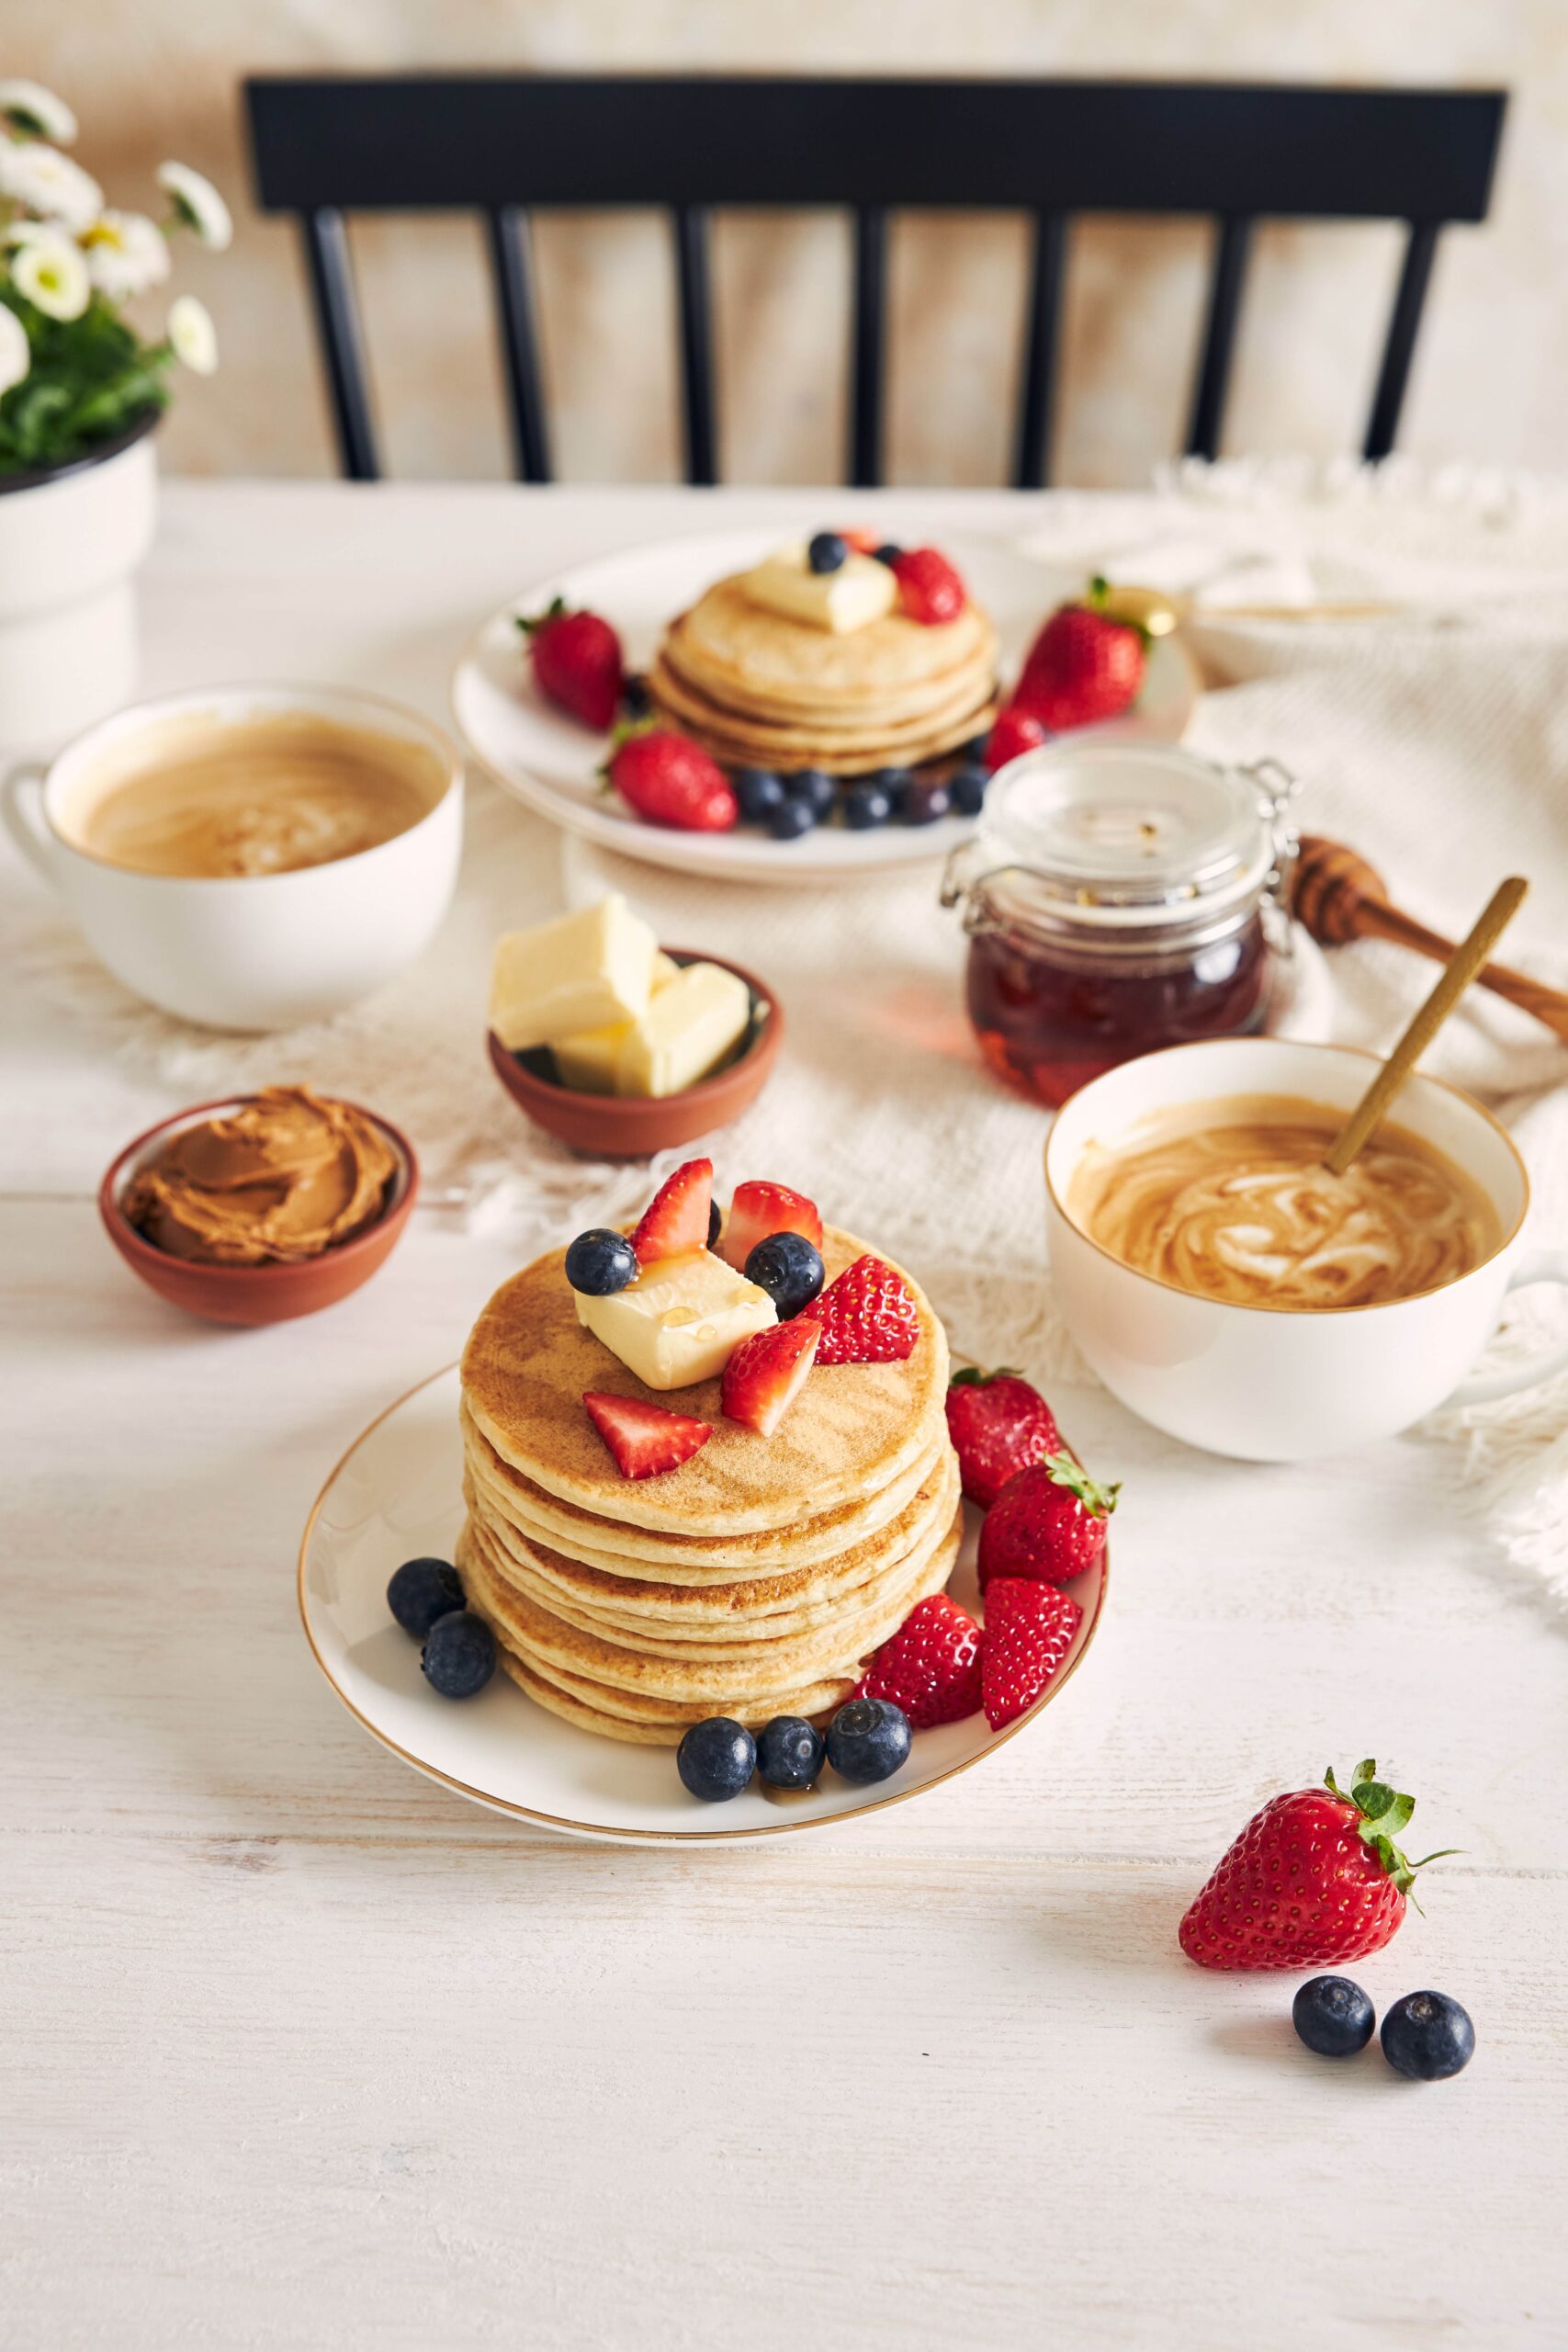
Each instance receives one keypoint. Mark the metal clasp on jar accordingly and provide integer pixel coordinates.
(965, 870)
(1277, 787)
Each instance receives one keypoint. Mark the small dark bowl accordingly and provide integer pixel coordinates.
(256, 1294)
(610, 1126)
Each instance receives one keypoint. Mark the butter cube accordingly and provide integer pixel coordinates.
(691, 1024)
(859, 591)
(583, 971)
(587, 1062)
(681, 1321)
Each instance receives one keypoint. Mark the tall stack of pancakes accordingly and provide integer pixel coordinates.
(758, 689)
(754, 1580)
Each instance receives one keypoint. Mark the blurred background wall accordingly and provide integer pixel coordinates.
(150, 78)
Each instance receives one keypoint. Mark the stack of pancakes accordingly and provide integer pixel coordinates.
(757, 689)
(754, 1580)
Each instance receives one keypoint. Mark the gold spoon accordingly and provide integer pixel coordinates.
(1454, 979)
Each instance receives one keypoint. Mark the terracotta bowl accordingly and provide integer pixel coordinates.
(606, 1127)
(256, 1294)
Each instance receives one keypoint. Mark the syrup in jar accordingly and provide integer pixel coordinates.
(1118, 898)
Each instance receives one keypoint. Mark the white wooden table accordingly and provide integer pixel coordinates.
(303, 2051)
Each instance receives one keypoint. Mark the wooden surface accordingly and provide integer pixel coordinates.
(303, 2051)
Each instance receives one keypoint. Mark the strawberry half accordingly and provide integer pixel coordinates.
(1028, 1631)
(931, 1667)
(1084, 665)
(577, 663)
(998, 1425)
(761, 1208)
(676, 1220)
(766, 1373)
(929, 591)
(1048, 1523)
(868, 1316)
(670, 780)
(645, 1440)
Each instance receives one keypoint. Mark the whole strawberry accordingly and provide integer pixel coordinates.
(577, 663)
(931, 1667)
(929, 591)
(1013, 730)
(1028, 1631)
(1084, 665)
(1048, 1523)
(999, 1424)
(1313, 1880)
(671, 781)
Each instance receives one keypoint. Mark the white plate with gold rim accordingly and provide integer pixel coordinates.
(394, 1496)
(551, 763)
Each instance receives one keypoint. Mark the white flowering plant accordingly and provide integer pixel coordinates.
(74, 372)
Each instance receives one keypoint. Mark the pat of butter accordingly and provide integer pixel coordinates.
(690, 1025)
(681, 1321)
(586, 1062)
(583, 971)
(859, 591)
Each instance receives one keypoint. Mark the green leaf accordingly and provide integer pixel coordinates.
(972, 1376)
(1065, 1472)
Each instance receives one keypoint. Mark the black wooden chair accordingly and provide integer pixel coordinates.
(507, 144)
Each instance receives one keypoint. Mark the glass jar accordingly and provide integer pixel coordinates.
(1119, 897)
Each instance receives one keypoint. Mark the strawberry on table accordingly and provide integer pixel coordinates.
(1028, 1631)
(670, 780)
(1048, 1523)
(1314, 1879)
(1013, 730)
(999, 1424)
(645, 1440)
(760, 1208)
(868, 1316)
(766, 1373)
(929, 590)
(677, 1216)
(931, 1667)
(577, 663)
(1084, 665)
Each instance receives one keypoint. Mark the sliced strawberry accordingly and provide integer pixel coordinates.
(645, 1440)
(1028, 1631)
(766, 1373)
(931, 1667)
(676, 1219)
(868, 1316)
(929, 590)
(863, 542)
(761, 1208)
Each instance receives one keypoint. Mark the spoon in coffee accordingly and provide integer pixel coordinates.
(1453, 980)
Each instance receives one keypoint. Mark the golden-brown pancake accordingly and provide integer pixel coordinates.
(741, 646)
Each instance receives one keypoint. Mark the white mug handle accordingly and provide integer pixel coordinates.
(21, 805)
(1545, 1266)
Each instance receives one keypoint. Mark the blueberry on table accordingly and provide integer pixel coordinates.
(926, 800)
(827, 552)
(759, 791)
(868, 1739)
(791, 819)
(789, 1269)
(866, 806)
(789, 1752)
(816, 788)
(966, 789)
(1333, 2016)
(887, 552)
(599, 1262)
(715, 1758)
(420, 1591)
(459, 1657)
(1427, 2037)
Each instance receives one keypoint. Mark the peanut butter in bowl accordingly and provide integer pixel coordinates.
(278, 1180)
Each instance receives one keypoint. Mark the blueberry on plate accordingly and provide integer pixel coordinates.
(459, 1657)
(975, 747)
(599, 1261)
(966, 788)
(867, 806)
(926, 800)
(789, 1269)
(715, 1758)
(789, 1752)
(758, 791)
(791, 819)
(827, 552)
(816, 788)
(716, 1223)
(1427, 2037)
(887, 552)
(868, 1739)
(637, 697)
(1333, 2016)
(422, 1590)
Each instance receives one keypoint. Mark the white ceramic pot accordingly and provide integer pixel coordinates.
(256, 952)
(1260, 1383)
(70, 544)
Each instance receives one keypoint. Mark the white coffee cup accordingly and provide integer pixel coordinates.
(265, 951)
(1265, 1384)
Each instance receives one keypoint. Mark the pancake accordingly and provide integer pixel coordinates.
(741, 646)
(723, 696)
(918, 751)
(867, 742)
(605, 1726)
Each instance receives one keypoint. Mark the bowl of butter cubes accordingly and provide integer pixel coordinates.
(621, 1047)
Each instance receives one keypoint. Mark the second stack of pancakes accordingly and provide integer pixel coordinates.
(755, 1581)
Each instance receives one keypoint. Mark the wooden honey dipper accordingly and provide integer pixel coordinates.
(1337, 896)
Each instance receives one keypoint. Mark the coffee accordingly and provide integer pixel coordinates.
(1231, 1200)
(209, 797)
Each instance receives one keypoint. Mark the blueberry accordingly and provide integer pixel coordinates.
(459, 1657)
(827, 552)
(1425, 2036)
(1333, 2016)
(966, 789)
(887, 552)
(866, 806)
(818, 791)
(868, 1739)
(422, 1590)
(977, 747)
(758, 791)
(715, 1758)
(599, 1262)
(791, 819)
(714, 1222)
(789, 1752)
(925, 801)
(636, 699)
(787, 1267)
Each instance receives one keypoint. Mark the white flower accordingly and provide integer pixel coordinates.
(48, 182)
(15, 356)
(125, 253)
(52, 274)
(198, 205)
(193, 338)
(28, 106)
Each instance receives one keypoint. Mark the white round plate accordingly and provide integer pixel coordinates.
(552, 764)
(396, 1494)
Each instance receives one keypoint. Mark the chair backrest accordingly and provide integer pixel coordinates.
(505, 144)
